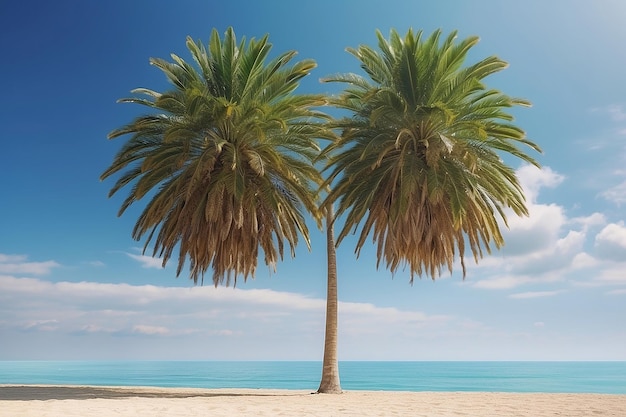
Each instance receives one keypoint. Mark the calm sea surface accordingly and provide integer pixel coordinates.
(574, 377)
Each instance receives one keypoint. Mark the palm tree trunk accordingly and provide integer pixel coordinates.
(330, 369)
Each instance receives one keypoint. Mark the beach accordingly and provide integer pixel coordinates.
(70, 401)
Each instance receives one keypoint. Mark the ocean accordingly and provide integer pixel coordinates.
(553, 377)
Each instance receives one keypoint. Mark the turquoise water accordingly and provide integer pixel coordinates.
(570, 377)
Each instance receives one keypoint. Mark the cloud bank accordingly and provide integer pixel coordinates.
(549, 247)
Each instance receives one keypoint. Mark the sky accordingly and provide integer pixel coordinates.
(75, 285)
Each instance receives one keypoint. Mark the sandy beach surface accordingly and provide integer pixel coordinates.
(69, 401)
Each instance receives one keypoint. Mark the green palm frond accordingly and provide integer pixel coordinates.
(225, 158)
(418, 167)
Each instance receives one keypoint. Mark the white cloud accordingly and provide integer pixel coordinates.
(547, 246)
(538, 231)
(501, 282)
(612, 274)
(18, 264)
(533, 179)
(41, 325)
(541, 228)
(584, 260)
(595, 219)
(614, 233)
(151, 330)
(147, 261)
(616, 194)
(616, 112)
(91, 328)
(4, 258)
(610, 243)
(546, 263)
(535, 294)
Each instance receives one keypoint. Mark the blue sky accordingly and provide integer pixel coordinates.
(74, 285)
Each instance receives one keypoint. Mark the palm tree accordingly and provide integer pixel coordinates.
(418, 164)
(225, 158)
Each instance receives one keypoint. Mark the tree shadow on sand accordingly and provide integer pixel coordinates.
(42, 393)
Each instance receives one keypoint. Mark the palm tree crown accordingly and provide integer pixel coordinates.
(226, 157)
(419, 155)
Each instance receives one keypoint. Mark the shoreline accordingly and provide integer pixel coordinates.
(104, 401)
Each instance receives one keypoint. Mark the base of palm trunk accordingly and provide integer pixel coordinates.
(330, 383)
(329, 390)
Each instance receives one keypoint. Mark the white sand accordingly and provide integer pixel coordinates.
(70, 401)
